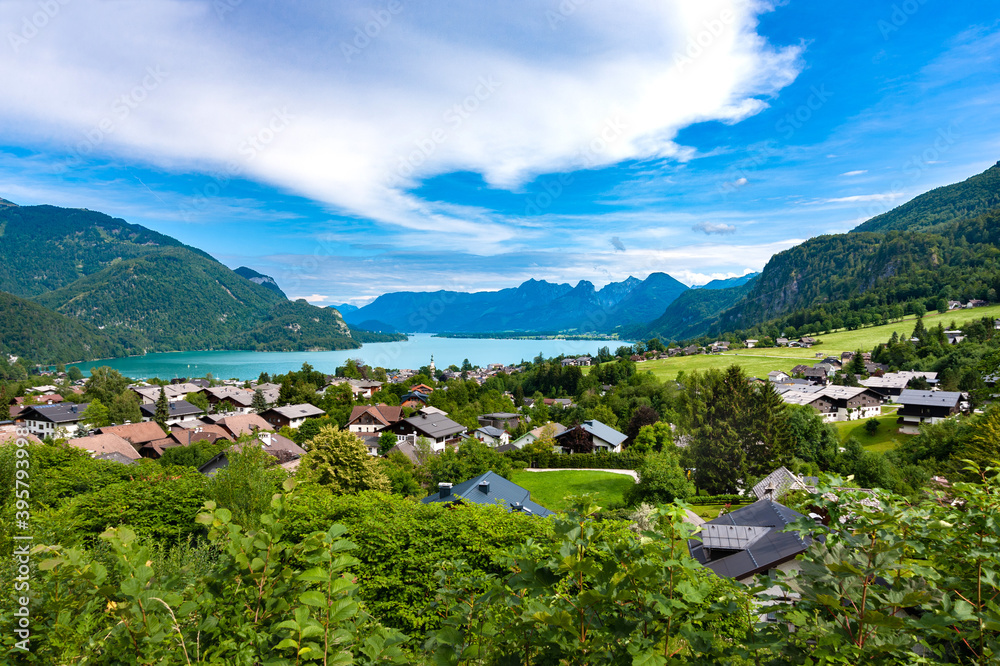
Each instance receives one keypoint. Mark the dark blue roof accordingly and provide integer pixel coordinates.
(763, 553)
(491, 488)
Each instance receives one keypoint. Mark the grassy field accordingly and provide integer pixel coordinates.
(550, 489)
(759, 362)
(885, 438)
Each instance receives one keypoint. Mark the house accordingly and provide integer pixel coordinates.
(564, 403)
(502, 420)
(568, 362)
(9, 435)
(836, 403)
(807, 342)
(178, 411)
(918, 407)
(954, 337)
(52, 420)
(800, 369)
(285, 450)
(433, 410)
(781, 342)
(137, 434)
(407, 448)
(584, 361)
(954, 305)
(44, 399)
(422, 388)
(291, 415)
(150, 394)
(750, 541)
(776, 376)
(492, 435)
(230, 399)
(537, 433)
(603, 437)
(819, 375)
(414, 400)
(373, 418)
(780, 481)
(105, 443)
(270, 391)
(243, 424)
(489, 489)
(888, 386)
(691, 350)
(719, 346)
(750, 343)
(436, 428)
(360, 388)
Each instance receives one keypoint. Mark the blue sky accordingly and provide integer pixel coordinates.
(400, 145)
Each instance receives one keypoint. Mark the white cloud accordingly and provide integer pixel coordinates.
(274, 98)
(862, 198)
(714, 228)
(851, 174)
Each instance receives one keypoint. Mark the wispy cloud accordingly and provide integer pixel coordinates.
(850, 174)
(714, 228)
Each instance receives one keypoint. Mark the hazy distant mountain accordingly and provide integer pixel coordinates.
(344, 308)
(534, 306)
(265, 281)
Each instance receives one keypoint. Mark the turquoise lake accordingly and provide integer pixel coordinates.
(412, 353)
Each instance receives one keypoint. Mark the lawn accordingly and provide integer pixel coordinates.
(550, 489)
(759, 362)
(885, 438)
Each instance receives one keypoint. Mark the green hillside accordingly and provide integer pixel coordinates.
(298, 326)
(960, 201)
(43, 336)
(690, 315)
(43, 248)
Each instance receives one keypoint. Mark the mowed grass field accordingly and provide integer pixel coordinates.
(550, 489)
(759, 362)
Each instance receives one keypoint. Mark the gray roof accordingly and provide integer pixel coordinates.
(435, 426)
(607, 433)
(499, 416)
(491, 431)
(756, 543)
(298, 411)
(929, 398)
(491, 488)
(781, 481)
(891, 380)
(177, 408)
(63, 412)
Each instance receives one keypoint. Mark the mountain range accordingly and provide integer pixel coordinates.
(78, 285)
(534, 306)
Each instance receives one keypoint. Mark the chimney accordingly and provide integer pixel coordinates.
(444, 490)
(484, 487)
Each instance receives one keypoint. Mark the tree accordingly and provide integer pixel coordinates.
(75, 374)
(125, 408)
(339, 460)
(641, 417)
(655, 437)
(162, 410)
(259, 403)
(739, 432)
(871, 427)
(812, 440)
(857, 364)
(386, 442)
(577, 440)
(198, 399)
(247, 484)
(104, 384)
(661, 481)
(95, 415)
